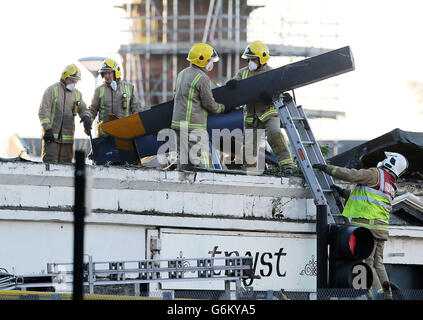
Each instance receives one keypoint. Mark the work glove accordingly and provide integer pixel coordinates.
(48, 135)
(231, 84)
(338, 189)
(87, 124)
(226, 109)
(320, 166)
(266, 96)
(286, 97)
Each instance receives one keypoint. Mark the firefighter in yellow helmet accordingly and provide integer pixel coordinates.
(192, 103)
(115, 96)
(60, 104)
(261, 114)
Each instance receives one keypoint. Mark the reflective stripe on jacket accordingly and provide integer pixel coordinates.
(193, 99)
(373, 224)
(57, 111)
(372, 202)
(122, 103)
(258, 109)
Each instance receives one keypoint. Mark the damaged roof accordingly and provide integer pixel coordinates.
(368, 154)
(407, 209)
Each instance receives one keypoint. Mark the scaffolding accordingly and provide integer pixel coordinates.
(163, 31)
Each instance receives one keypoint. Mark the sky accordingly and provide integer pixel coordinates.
(385, 39)
(39, 38)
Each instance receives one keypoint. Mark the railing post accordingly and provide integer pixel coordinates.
(78, 226)
(322, 250)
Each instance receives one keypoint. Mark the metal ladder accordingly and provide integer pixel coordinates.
(308, 152)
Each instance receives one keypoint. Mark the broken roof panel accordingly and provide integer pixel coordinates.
(368, 154)
(407, 209)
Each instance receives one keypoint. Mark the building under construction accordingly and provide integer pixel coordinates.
(162, 32)
(153, 232)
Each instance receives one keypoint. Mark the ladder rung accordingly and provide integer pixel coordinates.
(297, 129)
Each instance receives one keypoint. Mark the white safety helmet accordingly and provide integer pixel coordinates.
(394, 162)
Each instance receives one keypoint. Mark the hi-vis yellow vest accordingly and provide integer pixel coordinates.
(372, 202)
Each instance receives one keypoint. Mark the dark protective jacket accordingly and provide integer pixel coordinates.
(259, 109)
(193, 99)
(58, 109)
(122, 103)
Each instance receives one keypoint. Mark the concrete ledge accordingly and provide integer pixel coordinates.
(215, 223)
(139, 190)
(119, 178)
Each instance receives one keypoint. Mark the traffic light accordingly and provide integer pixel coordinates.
(348, 247)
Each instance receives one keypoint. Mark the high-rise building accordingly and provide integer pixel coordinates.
(163, 31)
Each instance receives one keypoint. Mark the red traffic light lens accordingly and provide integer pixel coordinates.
(352, 243)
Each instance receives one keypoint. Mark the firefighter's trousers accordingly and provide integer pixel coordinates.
(275, 138)
(193, 148)
(54, 152)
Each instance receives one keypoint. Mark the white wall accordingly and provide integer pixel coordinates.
(27, 246)
(34, 185)
(193, 213)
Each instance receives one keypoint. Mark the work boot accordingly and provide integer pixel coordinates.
(289, 168)
(186, 167)
(387, 292)
(251, 170)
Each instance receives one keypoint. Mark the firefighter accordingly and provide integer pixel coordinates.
(59, 106)
(261, 114)
(192, 102)
(369, 206)
(115, 96)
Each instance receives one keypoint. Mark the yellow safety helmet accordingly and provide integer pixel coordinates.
(71, 71)
(257, 49)
(201, 53)
(111, 65)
